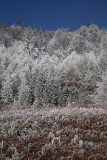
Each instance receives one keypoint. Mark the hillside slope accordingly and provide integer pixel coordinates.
(49, 68)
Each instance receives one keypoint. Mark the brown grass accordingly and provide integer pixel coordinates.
(34, 133)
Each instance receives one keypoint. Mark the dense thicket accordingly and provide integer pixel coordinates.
(46, 68)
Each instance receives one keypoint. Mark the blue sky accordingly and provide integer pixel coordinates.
(54, 14)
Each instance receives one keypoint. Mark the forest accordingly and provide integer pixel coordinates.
(52, 68)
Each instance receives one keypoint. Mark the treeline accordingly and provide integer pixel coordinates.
(52, 68)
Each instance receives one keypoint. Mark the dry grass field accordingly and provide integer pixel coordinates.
(61, 133)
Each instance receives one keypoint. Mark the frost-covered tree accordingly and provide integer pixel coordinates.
(25, 96)
(20, 23)
(60, 41)
(16, 32)
(7, 92)
(100, 96)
